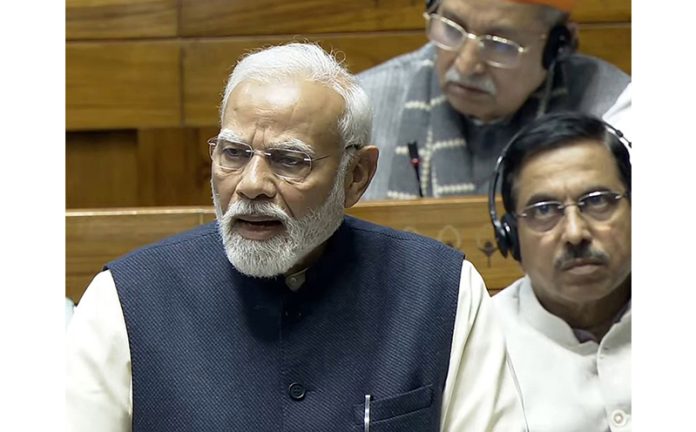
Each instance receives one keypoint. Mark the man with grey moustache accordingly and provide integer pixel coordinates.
(285, 314)
(566, 188)
(491, 67)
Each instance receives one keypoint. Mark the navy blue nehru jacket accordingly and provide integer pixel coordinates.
(215, 350)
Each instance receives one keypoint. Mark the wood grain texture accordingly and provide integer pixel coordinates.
(611, 42)
(461, 222)
(118, 19)
(174, 167)
(269, 17)
(94, 237)
(595, 11)
(122, 85)
(254, 17)
(101, 170)
(207, 63)
(148, 167)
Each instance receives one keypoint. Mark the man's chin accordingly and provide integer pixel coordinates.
(260, 258)
(260, 273)
(470, 108)
(260, 266)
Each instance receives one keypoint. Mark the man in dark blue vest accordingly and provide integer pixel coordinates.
(286, 315)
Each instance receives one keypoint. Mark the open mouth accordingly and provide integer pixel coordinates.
(468, 89)
(581, 262)
(257, 227)
(260, 223)
(582, 267)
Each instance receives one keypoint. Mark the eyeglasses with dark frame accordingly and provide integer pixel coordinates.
(495, 51)
(288, 164)
(545, 215)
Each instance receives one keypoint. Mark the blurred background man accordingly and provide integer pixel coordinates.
(491, 67)
(566, 187)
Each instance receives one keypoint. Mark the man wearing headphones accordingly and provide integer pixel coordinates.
(566, 188)
(491, 66)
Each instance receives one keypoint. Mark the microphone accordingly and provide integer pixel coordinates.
(415, 163)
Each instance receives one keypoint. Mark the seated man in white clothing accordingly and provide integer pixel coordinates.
(285, 314)
(566, 188)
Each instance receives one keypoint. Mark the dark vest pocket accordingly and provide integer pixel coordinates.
(390, 411)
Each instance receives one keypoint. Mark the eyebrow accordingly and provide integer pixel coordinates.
(286, 144)
(504, 32)
(541, 197)
(293, 144)
(452, 17)
(230, 135)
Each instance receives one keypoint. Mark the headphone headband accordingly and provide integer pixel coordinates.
(431, 5)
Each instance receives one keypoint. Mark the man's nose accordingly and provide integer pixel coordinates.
(468, 60)
(257, 180)
(575, 226)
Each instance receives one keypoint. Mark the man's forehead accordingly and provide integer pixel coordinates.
(284, 93)
(574, 168)
(282, 111)
(251, 93)
(494, 14)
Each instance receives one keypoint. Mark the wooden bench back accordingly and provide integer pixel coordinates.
(94, 237)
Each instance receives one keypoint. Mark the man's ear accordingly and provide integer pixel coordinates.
(360, 173)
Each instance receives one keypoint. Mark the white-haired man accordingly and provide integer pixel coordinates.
(285, 314)
(491, 67)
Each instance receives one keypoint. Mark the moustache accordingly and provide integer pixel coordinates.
(267, 209)
(482, 83)
(574, 254)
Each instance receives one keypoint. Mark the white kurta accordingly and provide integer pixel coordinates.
(566, 385)
(479, 395)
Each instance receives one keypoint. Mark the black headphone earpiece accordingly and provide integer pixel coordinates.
(509, 224)
(559, 43)
(504, 228)
(505, 231)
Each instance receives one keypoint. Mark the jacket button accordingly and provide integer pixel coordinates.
(296, 391)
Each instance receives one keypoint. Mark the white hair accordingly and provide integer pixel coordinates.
(309, 61)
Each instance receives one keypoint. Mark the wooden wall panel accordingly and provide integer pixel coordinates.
(117, 19)
(92, 241)
(246, 17)
(590, 11)
(164, 80)
(174, 167)
(207, 63)
(462, 222)
(122, 85)
(609, 42)
(148, 167)
(95, 237)
(101, 169)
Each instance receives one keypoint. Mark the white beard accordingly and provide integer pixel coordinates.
(277, 255)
